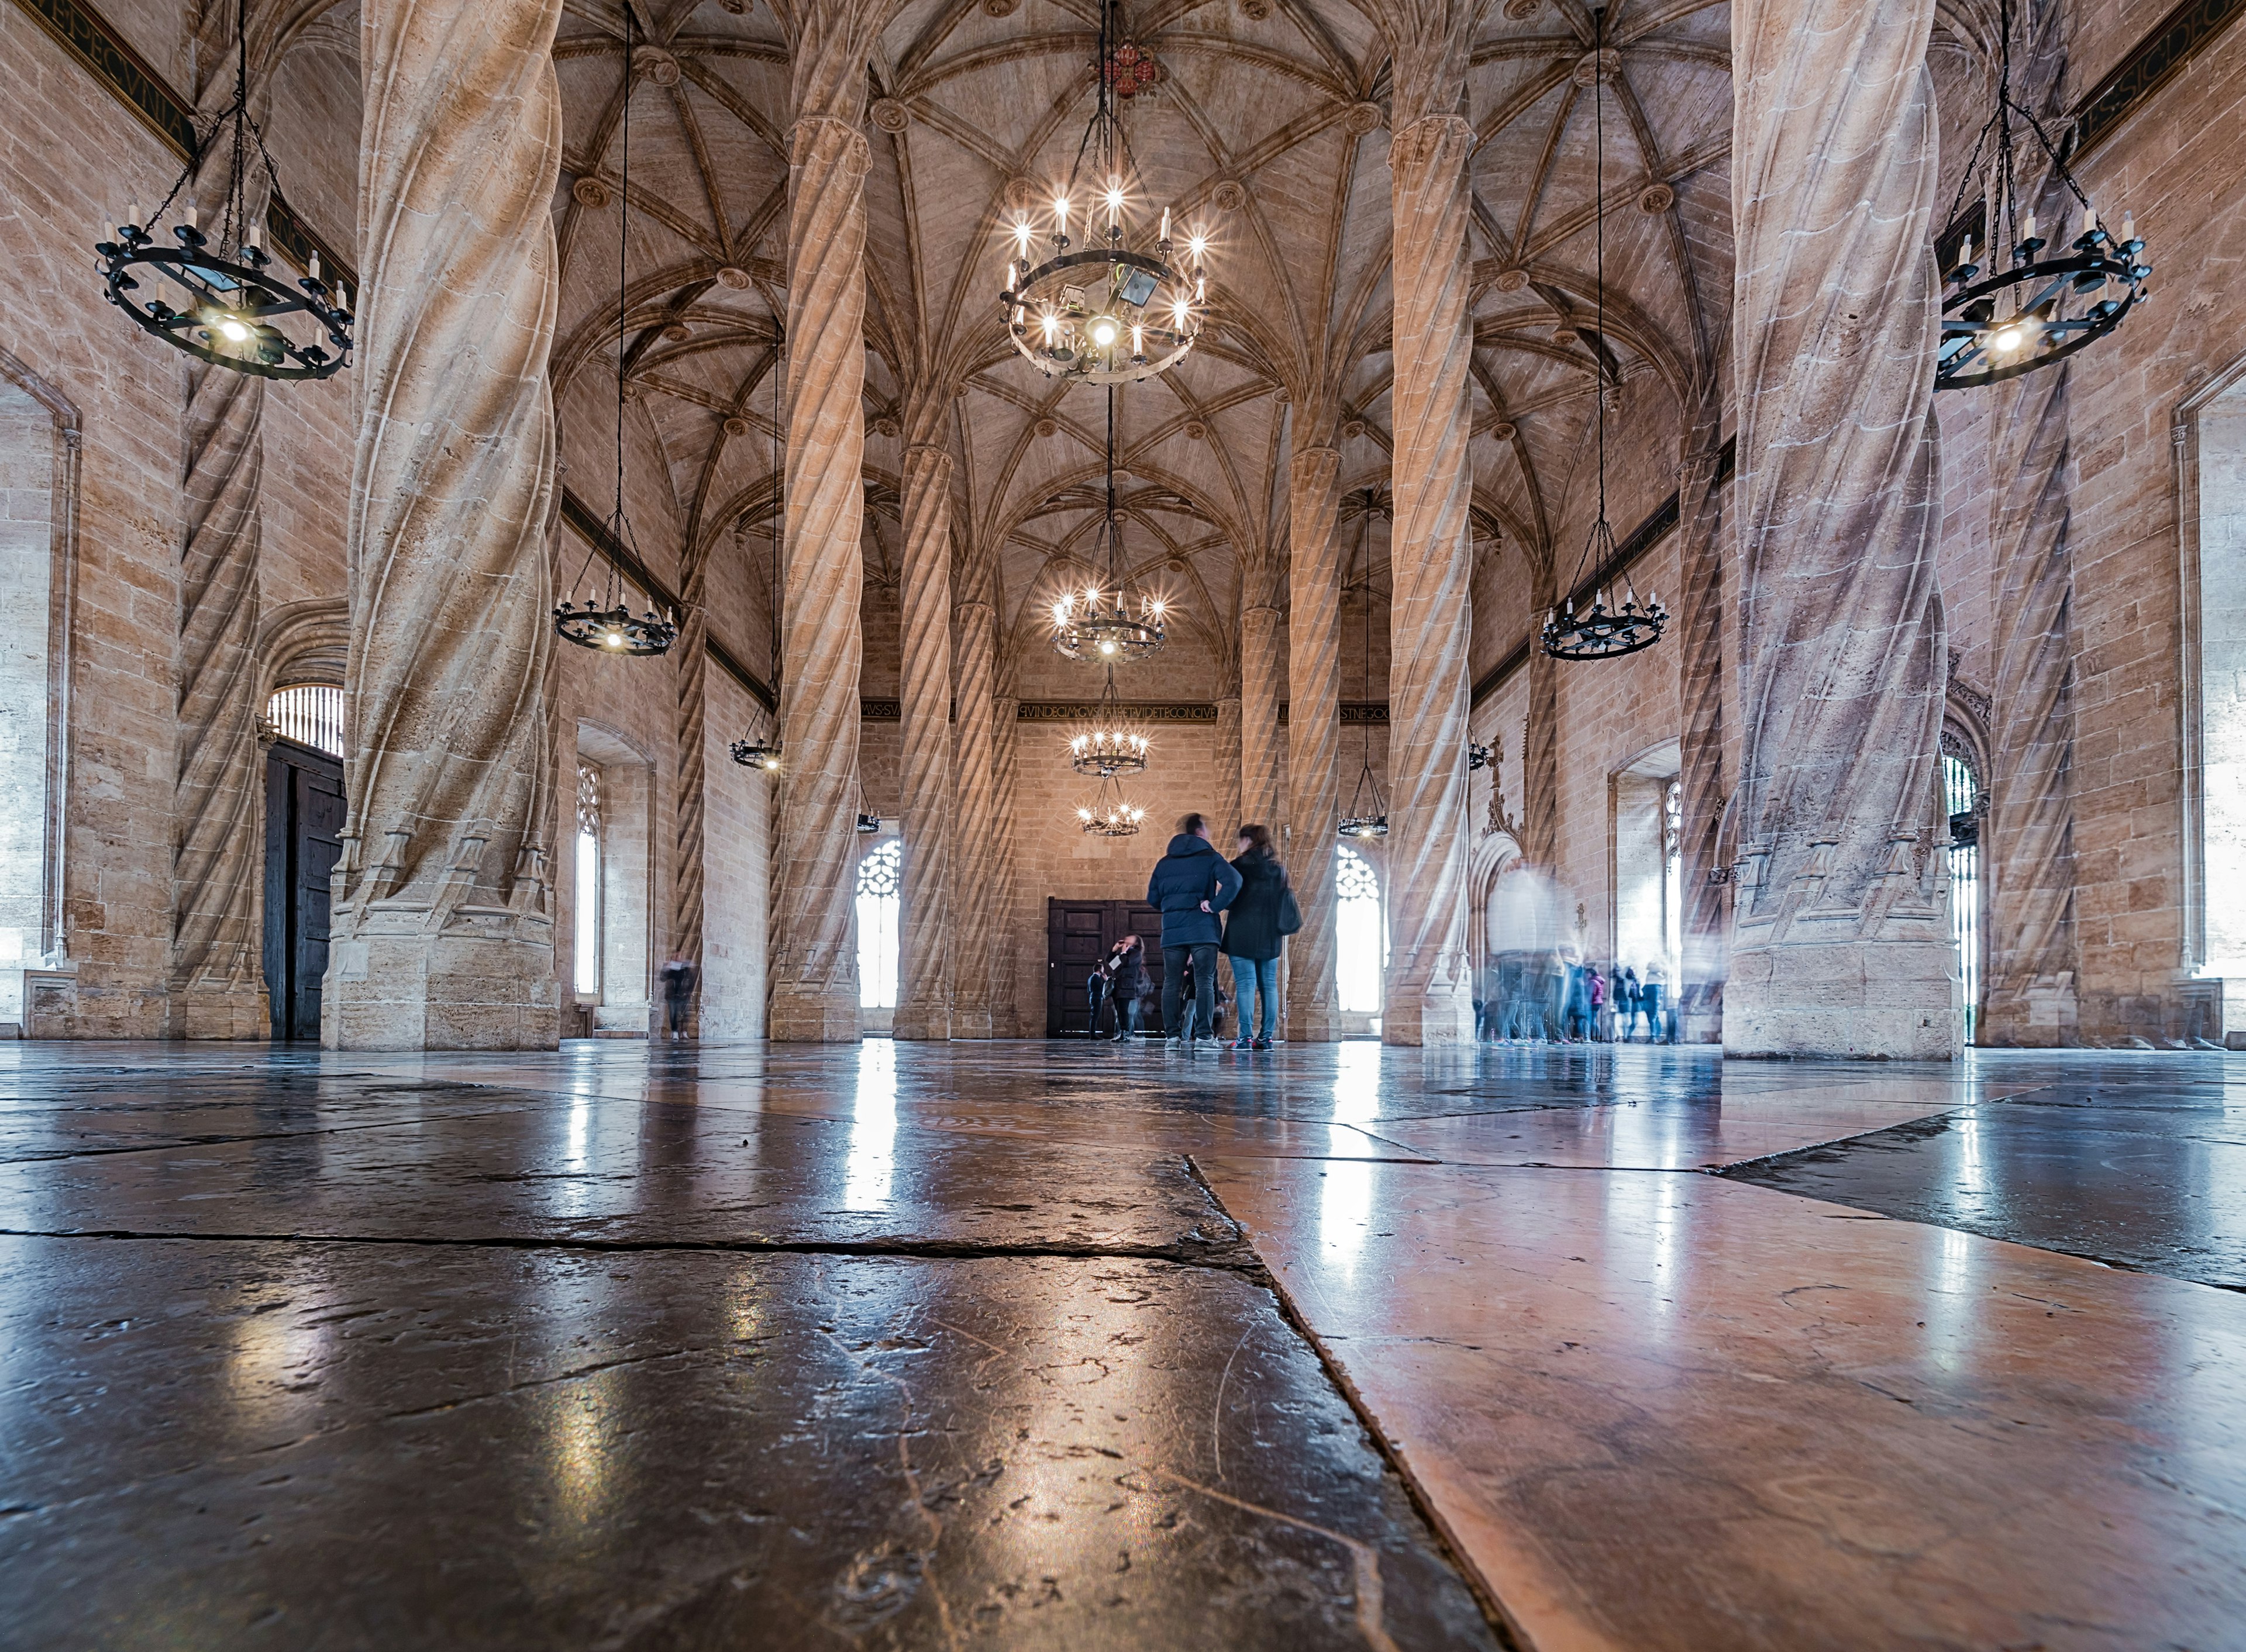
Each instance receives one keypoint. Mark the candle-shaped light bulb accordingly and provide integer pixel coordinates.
(1166, 224)
(312, 268)
(2027, 226)
(342, 298)
(1200, 290)
(191, 215)
(1965, 248)
(132, 212)
(1022, 233)
(1197, 246)
(1060, 213)
(2089, 219)
(2128, 226)
(1114, 203)
(1138, 341)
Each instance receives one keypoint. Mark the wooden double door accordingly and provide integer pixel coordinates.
(304, 841)
(1079, 934)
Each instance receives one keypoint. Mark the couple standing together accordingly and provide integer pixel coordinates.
(1192, 886)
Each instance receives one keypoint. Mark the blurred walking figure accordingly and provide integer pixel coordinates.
(679, 978)
(1526, 933)
(1651, 992)
(1628, 998)
(1191, 884)
(1255, 927)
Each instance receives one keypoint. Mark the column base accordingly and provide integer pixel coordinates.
(2041, 1013)
(1865, 1000)
(970, 1022)
(1321, 1026)
(216, 1011)
(813, 1013)
(462, 990)
(921, 1020)
(1443, 1015)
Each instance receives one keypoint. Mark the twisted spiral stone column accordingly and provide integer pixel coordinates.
(1313, 737)
(1841, 940)
(815, 992)
(976, 663)
(1262, 681)
(1700, 627)
(1429, 1000)
(1540, 729)
(924, 1000)
(1005, 869)
(690, 657)
(218, 977)
(2028, 841)
(1228, 743)
(442, 937)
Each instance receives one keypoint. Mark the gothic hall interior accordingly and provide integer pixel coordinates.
(1173, 823)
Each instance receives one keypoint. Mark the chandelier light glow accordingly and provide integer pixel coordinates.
(1603, 632)
(758, 754)
(1110, 814)
(1111, 746)
(1115, 628)
(604, 622)
(1109, 312)
(220, 300)
(2031, 311)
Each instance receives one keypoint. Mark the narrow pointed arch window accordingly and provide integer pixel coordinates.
(1961, 793)
(589, 881)
(1360, 932)
(878, 876)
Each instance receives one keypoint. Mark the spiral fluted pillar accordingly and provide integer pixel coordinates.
(975, 662)
(924, 962)
(1841, 941)
(1227, 798)
(218, 977)
(1313, 737)
(1005, 869)
(1707, 907)
(1428, 998)
(814, 968)
(1262, 684)
(442, 937)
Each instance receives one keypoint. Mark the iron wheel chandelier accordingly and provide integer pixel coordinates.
(1110, 814)
(2016, 319)
(1367, 818)
(233, 301)
(1088, 625)
(1601, 632)
(1107, 314)
(605, 622)
(1111, 746)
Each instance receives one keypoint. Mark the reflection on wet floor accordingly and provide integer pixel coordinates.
(930, 1345)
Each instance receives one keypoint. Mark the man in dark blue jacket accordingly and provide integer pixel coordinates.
(1191, 884)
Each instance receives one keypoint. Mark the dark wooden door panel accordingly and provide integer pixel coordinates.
(303, 839)
(1079, 936)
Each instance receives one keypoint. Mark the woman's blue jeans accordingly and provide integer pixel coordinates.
(1263, 974)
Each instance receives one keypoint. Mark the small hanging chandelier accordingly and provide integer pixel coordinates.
(1368, 809)
(2018, 318)
(604, 622)
(1477, 756)
(1088, 625)
(231, 304)
(1108, 314)
(758, 754)
(1601, 632)
(1111, 746)
(1110, 814)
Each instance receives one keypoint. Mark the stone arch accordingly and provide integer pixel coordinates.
(43, 404)
(1493, 855)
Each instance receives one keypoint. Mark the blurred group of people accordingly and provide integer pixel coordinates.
(1539, 996)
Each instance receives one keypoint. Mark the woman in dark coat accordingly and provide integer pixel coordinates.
(1125, 970)
(1252, 940)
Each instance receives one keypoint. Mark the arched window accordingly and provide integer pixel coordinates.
(878, 874)
(1360, 934)
(1961, 792)
(311, 714)
(589, 881)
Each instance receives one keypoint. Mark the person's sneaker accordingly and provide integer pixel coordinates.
(1261, 1044)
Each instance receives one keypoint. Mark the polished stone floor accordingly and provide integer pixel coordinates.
(1063, 1345)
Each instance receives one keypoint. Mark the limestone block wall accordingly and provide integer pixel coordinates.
(2174, 165)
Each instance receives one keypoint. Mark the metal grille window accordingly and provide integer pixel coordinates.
(588, 880)
(1960, 790)
(879, 879)
(311, 714)
(1360, 934)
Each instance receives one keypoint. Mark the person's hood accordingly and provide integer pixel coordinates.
(1186, 843)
